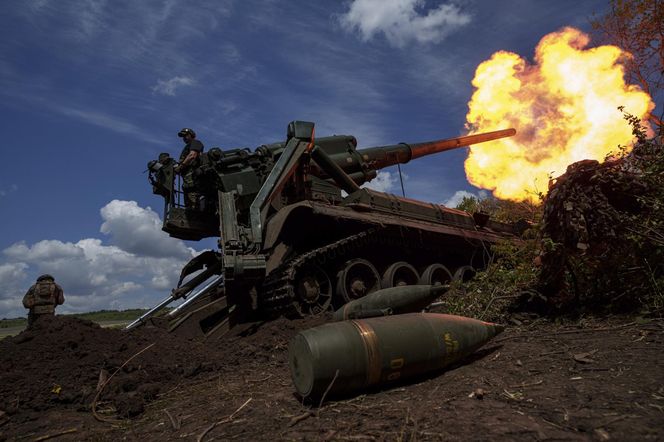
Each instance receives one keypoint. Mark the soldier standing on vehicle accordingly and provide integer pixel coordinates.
(189, 160)
(42, 298)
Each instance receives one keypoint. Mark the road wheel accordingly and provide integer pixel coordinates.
(358, 278)
(399, 274)
(313, 290)
(436, 274)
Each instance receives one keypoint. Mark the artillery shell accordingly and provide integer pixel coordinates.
(349, 356)
(405, 299)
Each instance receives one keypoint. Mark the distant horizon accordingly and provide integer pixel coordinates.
(137, 310)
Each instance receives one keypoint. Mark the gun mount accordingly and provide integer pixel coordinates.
(298, 234)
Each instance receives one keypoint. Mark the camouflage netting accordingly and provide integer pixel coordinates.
(603, 234)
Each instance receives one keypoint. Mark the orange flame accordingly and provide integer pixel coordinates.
(564, 108)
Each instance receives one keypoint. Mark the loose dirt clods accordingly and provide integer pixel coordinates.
(537, 381)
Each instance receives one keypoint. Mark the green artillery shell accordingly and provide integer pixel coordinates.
(349, 356)
(405, 299)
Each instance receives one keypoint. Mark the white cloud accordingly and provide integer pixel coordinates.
(12, 307)
(99, 119)
(162, 281)
(91, 17)
(101, 37)
(38, 95)
(84, 266)
(37, 5)
(136, 270)
(169, 87)
(9, 272)
(227, 107)
(12, 278)
(384, 182)
(138, 230)
(11, 189)
(125, 287)
(44, 250)
(401, 22)
(230, 53)
(459, 195)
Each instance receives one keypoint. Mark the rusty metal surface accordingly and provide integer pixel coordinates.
(370, 216)
(388, 219)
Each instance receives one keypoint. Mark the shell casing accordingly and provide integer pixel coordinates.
(405, 299)
(350, 356)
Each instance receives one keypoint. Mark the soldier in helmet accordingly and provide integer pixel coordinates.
(189, 160)
(42, 298)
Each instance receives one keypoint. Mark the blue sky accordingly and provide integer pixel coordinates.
(92, 89)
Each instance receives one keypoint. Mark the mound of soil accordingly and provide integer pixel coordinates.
(62, 361)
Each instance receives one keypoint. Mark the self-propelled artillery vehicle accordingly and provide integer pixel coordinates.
(298, 235)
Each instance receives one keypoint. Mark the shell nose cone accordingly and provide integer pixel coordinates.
(439, 289)
(495, 329)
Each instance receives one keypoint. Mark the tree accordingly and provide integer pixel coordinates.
(637, 26)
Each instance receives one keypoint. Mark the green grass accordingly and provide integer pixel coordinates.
(98, 316)
(14, 322)
(111, 315)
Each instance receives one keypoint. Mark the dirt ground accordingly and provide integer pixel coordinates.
(587, 380)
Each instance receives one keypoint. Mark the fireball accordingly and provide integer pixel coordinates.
(564, 108)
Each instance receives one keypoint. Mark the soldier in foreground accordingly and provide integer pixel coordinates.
(42, 298)
(189, 160)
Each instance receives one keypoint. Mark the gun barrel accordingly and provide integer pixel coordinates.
(422, 149)
(386, 156)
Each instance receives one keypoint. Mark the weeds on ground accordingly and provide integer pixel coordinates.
(512, 272)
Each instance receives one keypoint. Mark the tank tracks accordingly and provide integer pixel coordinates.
(278, 295)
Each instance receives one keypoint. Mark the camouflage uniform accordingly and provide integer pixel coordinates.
(187, 173)
(42, 298)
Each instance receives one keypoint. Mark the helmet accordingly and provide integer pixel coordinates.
(185, 131)
(45, 276)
